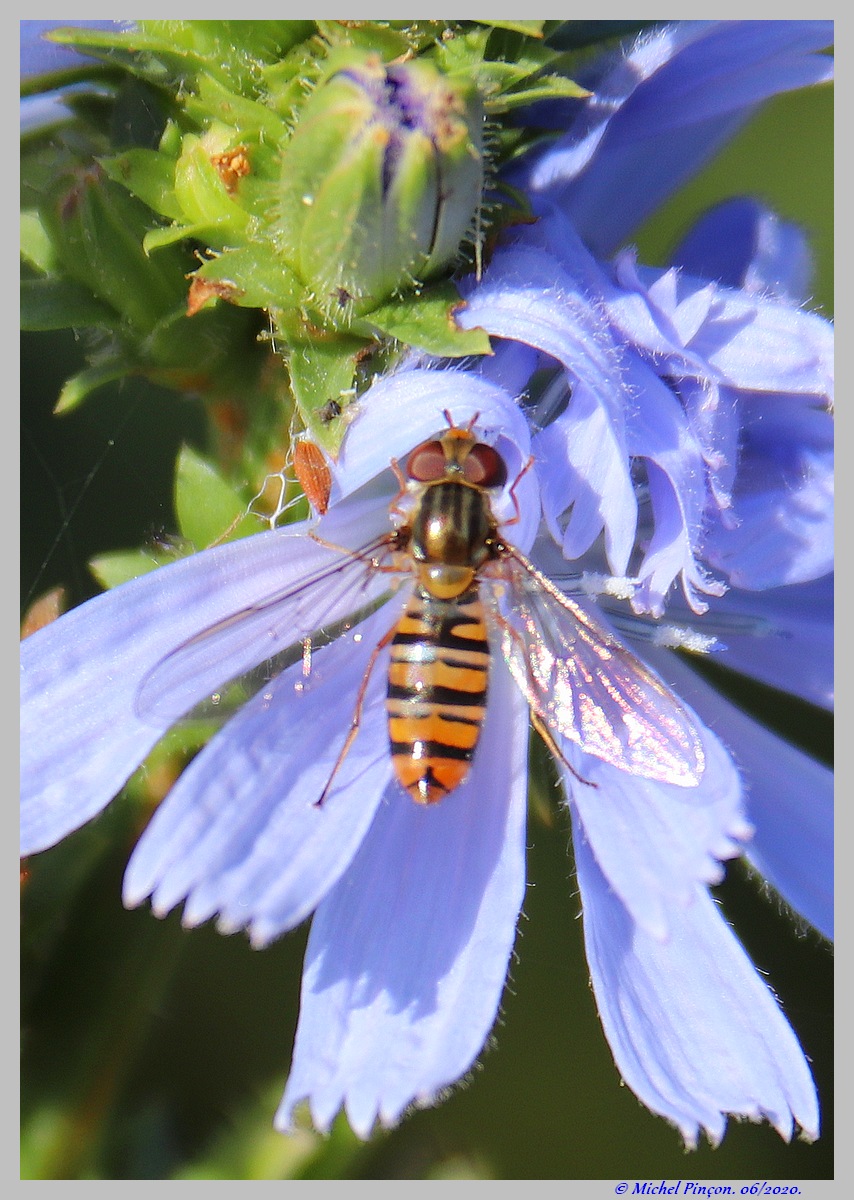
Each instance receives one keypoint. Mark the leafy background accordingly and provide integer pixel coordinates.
(153, 1052)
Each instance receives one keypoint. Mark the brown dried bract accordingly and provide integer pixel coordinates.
(202, 290)
(43, 611)
(313, 474)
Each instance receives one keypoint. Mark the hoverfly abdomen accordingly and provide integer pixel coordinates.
(437, 688)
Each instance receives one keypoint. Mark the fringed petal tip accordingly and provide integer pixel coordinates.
(294, 1115)
(713, 1130)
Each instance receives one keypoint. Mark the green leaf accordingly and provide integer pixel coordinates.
(98, 227)
(548, 87)
(427, 323)
(209, 510)
(36, 246)
(321, 372)
(159, 239)
(529, 28)
(61, 304)
(81, 385)
(119, 566)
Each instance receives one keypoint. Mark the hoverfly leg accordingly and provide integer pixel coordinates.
(367, 554)
(230, 528)
(357, 715)
(515, 520)
(394, 507)
(546, 734)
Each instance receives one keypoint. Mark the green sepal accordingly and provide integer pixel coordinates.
(209, 510)
(233, 50)
(288, 79)
(150, 175)
(367, 36)
(427, 323)
(321, 141)
(61, 304)
(522, 72)
(260, 278)
(324, 371)
(216, 102)
(170, 235)
(547, 87)
(203, 198)
(341, 241)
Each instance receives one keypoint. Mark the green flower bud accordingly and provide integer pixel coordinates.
(380, 182)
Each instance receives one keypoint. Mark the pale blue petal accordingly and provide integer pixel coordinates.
(83, 728)
(694, 1030)
(583, 465)
(742, 244)
(789, 799)
(407, 957)
(782, 532)
(655, 841)
(528, 296)
(660, 111)
(755, 343)
(240, 834)
(658, 431)
(510, 365)
(713, 415)
(782, 636)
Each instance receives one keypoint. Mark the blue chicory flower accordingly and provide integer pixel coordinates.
(679, 424)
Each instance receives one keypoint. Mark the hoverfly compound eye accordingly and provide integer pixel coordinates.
(427, 462)
(485, 467)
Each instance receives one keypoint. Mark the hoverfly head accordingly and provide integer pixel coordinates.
(457, 453)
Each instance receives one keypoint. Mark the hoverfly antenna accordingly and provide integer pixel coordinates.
(453, 425)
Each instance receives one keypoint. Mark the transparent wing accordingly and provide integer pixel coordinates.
(256, 642)
(583, 683)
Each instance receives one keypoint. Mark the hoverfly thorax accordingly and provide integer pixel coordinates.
(452, 530)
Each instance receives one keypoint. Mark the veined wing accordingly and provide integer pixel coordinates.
(583, 682)
(335, 596)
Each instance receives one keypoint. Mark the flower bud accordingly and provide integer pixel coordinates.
(380, 182)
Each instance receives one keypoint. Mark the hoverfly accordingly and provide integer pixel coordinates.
(471, 592)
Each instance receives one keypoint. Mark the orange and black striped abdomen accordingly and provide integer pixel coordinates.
(437, 685)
